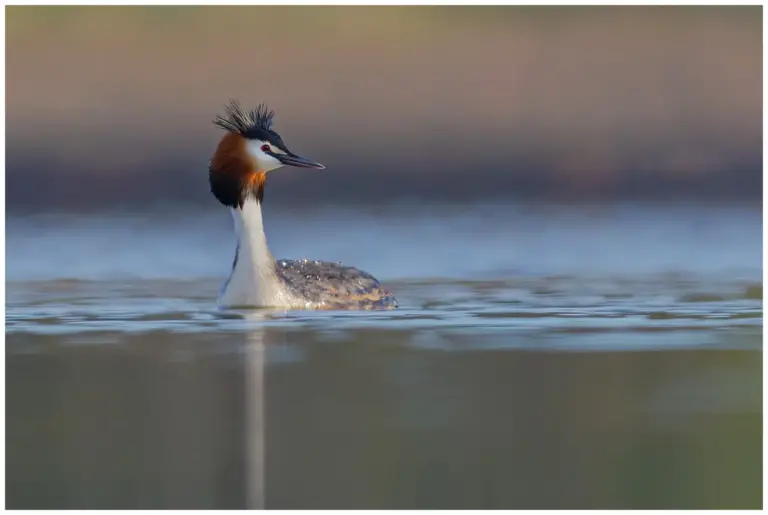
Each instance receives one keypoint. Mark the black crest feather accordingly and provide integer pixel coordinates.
(237, 120)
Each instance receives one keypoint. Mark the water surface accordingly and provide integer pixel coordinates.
(544, 356)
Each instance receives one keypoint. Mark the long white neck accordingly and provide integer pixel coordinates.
(252, 281)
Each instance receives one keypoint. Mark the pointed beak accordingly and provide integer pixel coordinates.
(292, 159)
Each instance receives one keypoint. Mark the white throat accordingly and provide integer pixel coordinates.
(252, 281)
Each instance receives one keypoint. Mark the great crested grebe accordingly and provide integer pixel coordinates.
(237, 173)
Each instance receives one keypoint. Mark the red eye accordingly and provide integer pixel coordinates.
(265, 148)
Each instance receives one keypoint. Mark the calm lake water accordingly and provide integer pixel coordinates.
(544, 356)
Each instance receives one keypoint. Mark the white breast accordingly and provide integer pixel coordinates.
(252, 282)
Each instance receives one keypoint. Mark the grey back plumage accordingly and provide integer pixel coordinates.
(333, 285)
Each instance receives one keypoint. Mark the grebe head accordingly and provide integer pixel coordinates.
(245, 154)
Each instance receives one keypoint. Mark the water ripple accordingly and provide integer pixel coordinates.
(553, 312)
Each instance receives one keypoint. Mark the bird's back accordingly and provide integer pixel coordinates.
(333, 285)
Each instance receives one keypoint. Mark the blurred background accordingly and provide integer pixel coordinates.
(566, 202)
(112, 106)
